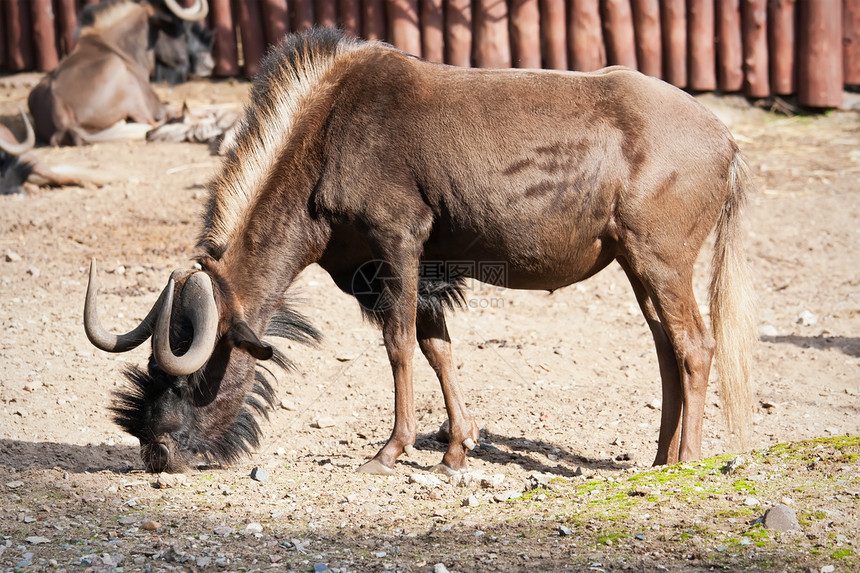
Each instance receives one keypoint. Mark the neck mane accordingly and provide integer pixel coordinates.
(292, 75)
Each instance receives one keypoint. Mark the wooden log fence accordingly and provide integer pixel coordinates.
(807, 48)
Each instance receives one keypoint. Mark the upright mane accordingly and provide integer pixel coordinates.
(291, 75)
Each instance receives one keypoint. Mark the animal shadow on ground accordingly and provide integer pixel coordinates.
(848, 345)
(48, 455)
(530, 455)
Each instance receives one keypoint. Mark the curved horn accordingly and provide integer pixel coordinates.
(193, 14)
(29, 142)
(103, 339)
(198, 304)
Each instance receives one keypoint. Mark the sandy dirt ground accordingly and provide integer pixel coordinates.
(560, 383)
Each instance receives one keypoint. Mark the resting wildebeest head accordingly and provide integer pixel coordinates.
(182, 46)
(16, 163)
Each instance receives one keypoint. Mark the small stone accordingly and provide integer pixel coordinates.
(222, 530)
(12, 257)
(440, 568)
(471, 501)
(494, 480)
(127, 520)
(507, 496)
(640, 537)
(203, 561)
(288, 405)
(380, 554)
(425, 480)
(828, 569)
(34, 272)
(120, 270)
(564, 531)
(14, 484)
(253, 528)
(655, 404)
(768, 405)
(768, 331)
(259, 474)
(324, 422)
(36, 540)
(321, 568)
(781, 518)
(151, 525)
(751, 502)
(166, 480)
(440, 512)
(807, 318)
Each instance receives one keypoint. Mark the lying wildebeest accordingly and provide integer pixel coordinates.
(18, 165)
(368, 161)
(104, 81)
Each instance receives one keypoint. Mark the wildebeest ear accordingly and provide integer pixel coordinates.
(243, 337)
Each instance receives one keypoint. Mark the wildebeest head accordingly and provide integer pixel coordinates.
(14, 166)
(178, 407)
(182, 45)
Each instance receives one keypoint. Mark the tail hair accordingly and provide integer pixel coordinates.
(733, 308)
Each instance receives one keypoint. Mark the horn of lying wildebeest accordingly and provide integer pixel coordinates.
(197, 303)
(107, 341)
(193, 14)
(23, 147)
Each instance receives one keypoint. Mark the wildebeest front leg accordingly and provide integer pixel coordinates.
(400, 293)
(436, 345)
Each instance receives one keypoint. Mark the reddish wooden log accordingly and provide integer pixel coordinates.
(349, 16)
(276, 20)
(851, 42)
(44, 35)
(584, 36)
(404, 30)
(325, 12)
(432, 31)
(19, 47)
(3, 51)
(251, 28)
(373, 19)
(67, 18)
(458, 32)
(649, 42)
(819, 62)
(781, 45)
(617, 17)
(303, 15)
(702, 64)
(553, 31)
(525, 34)
(224, 50)
(673, 17)
(730, 58)
(754, 22)
(492, 41)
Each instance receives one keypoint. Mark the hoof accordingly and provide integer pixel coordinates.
(408, 450)
(469, 444)
(375, 467)
(445, 470)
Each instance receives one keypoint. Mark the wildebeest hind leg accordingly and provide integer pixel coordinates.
(670, 418)
(435, 344)
(671, 291)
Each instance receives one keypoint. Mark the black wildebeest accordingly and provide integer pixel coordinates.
(104, 81)
(354, 155)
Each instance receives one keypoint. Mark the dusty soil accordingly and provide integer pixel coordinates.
(563, 384)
